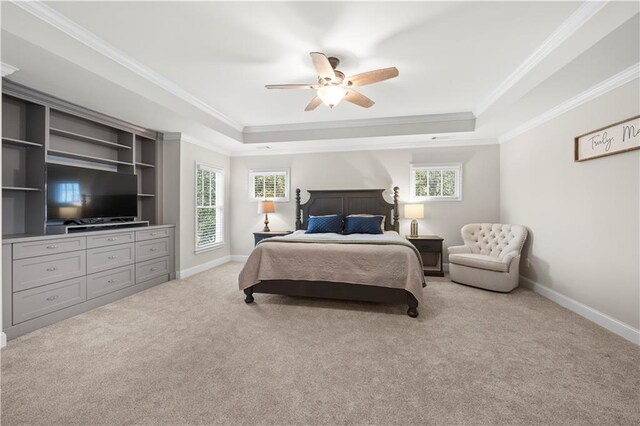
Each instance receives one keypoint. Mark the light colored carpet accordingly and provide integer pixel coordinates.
(191, 352)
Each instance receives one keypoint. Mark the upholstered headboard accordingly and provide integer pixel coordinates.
(346, 202)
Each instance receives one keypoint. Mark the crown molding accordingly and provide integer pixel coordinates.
(364, 146)
(624, 77)
(7, 69)
(367, 122)
(190, 139)
(574, 22)
(81, 34)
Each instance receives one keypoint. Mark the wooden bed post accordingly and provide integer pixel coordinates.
(396, 213)
(298, 221)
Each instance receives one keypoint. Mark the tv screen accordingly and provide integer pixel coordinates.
(79, 193)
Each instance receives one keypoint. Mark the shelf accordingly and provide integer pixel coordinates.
(19, 188)
(89, 139)
(85, 157)
(139, 164)
(20, 142)
(146, 195)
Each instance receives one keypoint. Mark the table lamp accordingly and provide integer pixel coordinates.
(414, 212)
(266, 207)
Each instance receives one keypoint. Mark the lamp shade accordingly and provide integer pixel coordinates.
(414, 211)
(266, 207)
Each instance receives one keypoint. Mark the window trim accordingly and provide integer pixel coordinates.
(218, 170)
(457, 167)
(252, 181)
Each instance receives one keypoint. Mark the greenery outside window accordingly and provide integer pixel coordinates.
(209, 221)
(270, 184)
(436, 182)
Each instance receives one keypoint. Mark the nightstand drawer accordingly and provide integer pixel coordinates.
(427, 245)
(259, 236)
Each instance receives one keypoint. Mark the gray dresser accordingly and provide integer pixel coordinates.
(49, 278)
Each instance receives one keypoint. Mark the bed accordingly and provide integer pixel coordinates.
(382, 268)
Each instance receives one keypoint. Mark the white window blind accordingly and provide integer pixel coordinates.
(209, 207)
(269, 185)
(436, 182)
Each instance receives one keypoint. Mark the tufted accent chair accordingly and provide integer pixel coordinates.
(490, 256)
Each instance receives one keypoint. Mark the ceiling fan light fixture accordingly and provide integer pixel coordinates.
(331, 95)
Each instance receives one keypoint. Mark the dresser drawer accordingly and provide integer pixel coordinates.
(109, 281)
(151, 234)
(34, 272)
(151, 269)
(39, 301)
(45, 247)
(110, 239)
(151, 249)
(103, 258)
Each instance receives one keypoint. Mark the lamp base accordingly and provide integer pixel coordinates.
(266, 223)
(414, 228)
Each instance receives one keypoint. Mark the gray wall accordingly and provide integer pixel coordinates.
(583, 217)
(370, 169)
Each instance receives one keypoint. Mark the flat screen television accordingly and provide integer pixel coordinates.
(75, 193)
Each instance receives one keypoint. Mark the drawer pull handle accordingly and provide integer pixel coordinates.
(53, 246)
(111, 281)
(112, 257)
(52, 298)
(112, 239)
(153, 269)
(51, 269)
(153, 234)
(153, 249)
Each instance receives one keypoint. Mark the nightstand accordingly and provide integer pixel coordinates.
(259, 236)
(430, 248)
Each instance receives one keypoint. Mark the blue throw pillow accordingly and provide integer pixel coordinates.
(324, 224)
(362, 225)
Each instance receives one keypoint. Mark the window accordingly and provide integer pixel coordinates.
(209, 207)
(436, 182)
(269, 185)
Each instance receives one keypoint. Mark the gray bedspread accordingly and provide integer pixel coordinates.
(385, 260)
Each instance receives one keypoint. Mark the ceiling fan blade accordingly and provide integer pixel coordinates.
(291, 86)
(371, 77)
(313, 104)
(358, 99)
(323, 66)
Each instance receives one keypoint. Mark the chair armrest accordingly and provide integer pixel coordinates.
(459, 250)
(511, 257)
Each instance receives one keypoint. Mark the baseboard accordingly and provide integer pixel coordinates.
(185, 273)
(239, 258)
(602, 319)
(3, 340)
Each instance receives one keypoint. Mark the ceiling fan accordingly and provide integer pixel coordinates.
(332, 85)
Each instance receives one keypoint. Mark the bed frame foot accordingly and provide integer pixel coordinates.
(413, 305)
(249, 293)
